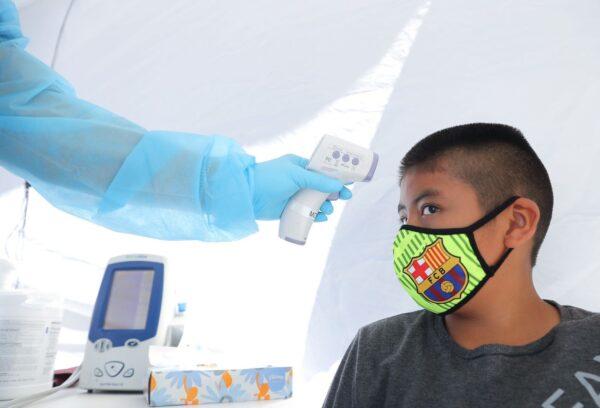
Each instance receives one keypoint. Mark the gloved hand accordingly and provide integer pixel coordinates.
(276, 181)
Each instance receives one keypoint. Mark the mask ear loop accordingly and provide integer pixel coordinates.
(490, 269)
(492, 214)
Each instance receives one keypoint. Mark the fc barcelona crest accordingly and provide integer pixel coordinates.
(438, 275)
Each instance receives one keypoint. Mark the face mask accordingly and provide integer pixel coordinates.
(441, 269)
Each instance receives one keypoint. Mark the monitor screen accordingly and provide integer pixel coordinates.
(129, 300)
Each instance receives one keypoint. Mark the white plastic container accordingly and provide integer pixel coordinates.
(29, 327)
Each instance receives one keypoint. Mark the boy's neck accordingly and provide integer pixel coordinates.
(507, 310)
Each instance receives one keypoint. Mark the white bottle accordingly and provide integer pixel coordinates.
(175, 331)
(30, 323)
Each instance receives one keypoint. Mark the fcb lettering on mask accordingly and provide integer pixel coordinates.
(438, 275)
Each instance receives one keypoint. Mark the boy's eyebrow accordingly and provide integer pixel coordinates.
(430, 192)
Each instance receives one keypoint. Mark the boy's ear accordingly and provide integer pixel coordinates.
(524, 216)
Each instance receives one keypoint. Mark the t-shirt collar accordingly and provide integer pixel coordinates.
(500, 349)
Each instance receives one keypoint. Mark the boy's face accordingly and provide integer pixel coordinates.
(436, 199)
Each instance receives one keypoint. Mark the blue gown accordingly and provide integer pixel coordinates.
(98, 166)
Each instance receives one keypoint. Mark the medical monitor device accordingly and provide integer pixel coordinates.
(132, 312)
(337, 159)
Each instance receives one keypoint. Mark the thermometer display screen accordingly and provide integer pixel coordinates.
(129, 300)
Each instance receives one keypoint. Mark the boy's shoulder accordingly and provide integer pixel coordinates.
(397, 329)
(576, 317)
(574, 313)
(396, 338)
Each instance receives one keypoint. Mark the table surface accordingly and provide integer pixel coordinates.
(76, 397)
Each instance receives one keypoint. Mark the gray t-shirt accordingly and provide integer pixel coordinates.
(409, 360)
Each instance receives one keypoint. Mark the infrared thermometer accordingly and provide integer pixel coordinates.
(132, 312)
(337, 159)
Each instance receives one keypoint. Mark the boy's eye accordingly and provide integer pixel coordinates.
(429, 209)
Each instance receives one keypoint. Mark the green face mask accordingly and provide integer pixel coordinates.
(441, 269)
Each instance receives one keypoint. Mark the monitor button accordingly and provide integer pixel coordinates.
(102, 345)
(129, 373)
(113, 368)
(98, 372)
(132, 343)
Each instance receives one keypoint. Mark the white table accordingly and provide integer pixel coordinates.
(306, 394)
(77, 398)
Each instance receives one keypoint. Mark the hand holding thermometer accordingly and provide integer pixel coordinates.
(335, 158)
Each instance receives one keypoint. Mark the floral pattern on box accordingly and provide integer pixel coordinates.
(193, 387)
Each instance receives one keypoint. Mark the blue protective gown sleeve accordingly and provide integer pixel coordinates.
(98, 166)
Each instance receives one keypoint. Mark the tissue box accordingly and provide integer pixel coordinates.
(204, 386)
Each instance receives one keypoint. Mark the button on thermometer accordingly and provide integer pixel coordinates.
(337, 159)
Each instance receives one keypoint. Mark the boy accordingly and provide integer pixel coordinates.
(475, 202)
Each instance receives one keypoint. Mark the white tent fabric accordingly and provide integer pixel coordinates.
(276, 76)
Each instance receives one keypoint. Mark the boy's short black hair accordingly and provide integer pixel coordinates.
(496, 160)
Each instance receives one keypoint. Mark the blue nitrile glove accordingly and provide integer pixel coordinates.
(276, 181)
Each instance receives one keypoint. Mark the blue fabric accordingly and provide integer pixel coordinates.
(98, 166)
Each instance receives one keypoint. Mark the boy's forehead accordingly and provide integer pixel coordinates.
(418, 184)
(427, 193)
